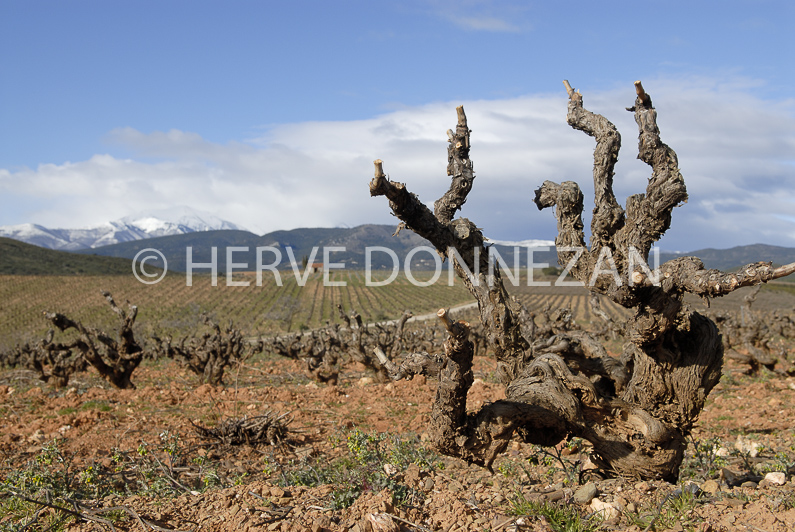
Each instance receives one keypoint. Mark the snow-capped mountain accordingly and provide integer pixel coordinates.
(148, 224)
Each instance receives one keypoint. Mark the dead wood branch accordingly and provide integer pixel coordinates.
(86, 515)
(461, 242)
(267, 429)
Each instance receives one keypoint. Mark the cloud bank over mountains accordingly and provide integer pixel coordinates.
(736, 152)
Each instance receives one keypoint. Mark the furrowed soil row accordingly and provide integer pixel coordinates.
(328, 304)
(346, 301)
(170, 307)
(365, 305)
(259, 306)
(317, 293)
(387, 302)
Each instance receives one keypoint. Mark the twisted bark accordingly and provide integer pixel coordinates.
(210, 354)
(461, 242)
(115, 360)
(636, 410)
(54, 362)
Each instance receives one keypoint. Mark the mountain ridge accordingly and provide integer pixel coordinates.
(305, 243)
(737, 256)
(134, 227)
(355, 241)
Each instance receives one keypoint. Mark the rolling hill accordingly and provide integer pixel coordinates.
(18, 258)
(732, 258)
(304, 243)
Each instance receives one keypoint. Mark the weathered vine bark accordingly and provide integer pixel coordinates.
(635, 410)
(54, 362)
(325, 350)
(748, 338)
(462, 242)
(210, 354)
(114, 359)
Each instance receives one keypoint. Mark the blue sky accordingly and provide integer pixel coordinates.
(269, 114)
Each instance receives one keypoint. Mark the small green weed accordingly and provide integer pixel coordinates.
(102, 406)
(46, 477)
(704, 461)
(789, 501)
(374, 462)
(678, 507)
(782, 461)
(729, 380)
(210, 478)
(556, 462)
(151, 469)
(49, 471)
(559, 518)
(269, 466)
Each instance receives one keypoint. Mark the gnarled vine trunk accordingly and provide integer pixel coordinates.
(636, 410)
(115, 360)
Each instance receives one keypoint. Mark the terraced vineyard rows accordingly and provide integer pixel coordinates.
(572, 297)
(171, 307)
(775, 295)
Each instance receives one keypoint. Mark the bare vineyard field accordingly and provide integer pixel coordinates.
(171, 307)
(774, 296)
(574, 298)
(139, 450)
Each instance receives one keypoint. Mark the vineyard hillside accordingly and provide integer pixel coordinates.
(347, 246)
(172, 307)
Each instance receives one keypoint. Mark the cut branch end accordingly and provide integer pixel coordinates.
(641, 93)
(783, 271)
(569, 89)
(442, 313)
(462, 117)
(379, 168)
(382, 358)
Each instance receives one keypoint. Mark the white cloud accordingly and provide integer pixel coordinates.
(736, 152)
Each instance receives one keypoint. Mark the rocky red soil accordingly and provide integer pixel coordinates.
(108, 436)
